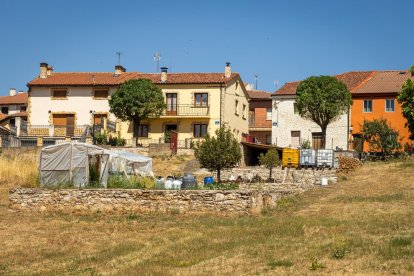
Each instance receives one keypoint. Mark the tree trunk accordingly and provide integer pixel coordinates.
(323, 142)
(218, 175)
(270, 173)
(135, 131)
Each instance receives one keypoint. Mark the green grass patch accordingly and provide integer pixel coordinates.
(379, 198)
(279, 263)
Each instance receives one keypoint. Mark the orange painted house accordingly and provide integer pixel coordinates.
(260, 116)
(376, 99)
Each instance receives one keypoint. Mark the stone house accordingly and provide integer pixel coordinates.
(290, 130)
(197, 103)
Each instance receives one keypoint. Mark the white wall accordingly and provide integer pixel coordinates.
(287, 121)
(79, 101)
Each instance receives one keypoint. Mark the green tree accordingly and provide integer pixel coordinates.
(136, 101)
(380, 136)
(406, 99)
(220, 152)
(322, 100)
(269, 160)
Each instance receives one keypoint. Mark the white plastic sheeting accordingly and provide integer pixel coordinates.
(68, 163)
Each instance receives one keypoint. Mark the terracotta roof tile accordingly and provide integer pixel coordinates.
(259, 94)
(20, 98)
(110, 79)
(385, 82)
(353, 80)
(2, 116)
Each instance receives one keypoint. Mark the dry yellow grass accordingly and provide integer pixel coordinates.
(363, 225)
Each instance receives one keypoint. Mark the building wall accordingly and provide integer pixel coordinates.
(79, 101)
(261, 135)
(395, 119)
(260, 113)
(13, 108)
(287, 121)
(237, 121)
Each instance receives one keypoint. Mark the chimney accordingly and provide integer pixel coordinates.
(49, 70)
(12, 91)
(119, 69)
(227, 70)
(43, 70)
(164, 74)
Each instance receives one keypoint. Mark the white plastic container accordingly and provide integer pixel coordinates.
(324, 181)
(307, 158)
(168, 184)
(325, 158)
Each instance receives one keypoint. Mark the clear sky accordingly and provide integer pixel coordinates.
(277, 40)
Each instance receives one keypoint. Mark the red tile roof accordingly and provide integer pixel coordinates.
(385, 82)
(259, 94)
(110, 79)
(20, 98)
(2, 116)
(353, 80)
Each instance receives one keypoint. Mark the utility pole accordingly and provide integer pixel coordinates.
(157, 58)
(119, 57)
(256, 77)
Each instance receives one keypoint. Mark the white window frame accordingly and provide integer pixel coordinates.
(363, 106)
(393, 105)
(269, 118)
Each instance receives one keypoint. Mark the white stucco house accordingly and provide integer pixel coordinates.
(289, 129)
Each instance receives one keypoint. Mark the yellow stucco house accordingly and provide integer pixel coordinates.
(197, 103)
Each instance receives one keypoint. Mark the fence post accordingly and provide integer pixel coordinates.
(1, 142)
(105, 123)
(17, 123)
(89, 140)
(39, 141)
(68, 139)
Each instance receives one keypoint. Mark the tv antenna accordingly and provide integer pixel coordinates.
(256, 77)
(276, 83)
(119, 57)
(157, 58)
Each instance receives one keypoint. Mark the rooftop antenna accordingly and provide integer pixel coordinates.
(276, 83)
(157, 58)
(119, 57)
(256, 77)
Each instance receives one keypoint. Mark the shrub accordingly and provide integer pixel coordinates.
(339, 251)
(101, 139)
(316, 264)
(223, 186)
(305, 144)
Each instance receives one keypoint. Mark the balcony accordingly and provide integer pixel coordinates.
(54, 130)
(183, 110)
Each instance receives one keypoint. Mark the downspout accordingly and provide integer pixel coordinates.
(221, 93)
(347, 130)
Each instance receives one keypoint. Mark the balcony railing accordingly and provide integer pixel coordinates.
(54, 130)
(186, 110)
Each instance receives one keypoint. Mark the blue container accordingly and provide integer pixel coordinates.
(208, 180)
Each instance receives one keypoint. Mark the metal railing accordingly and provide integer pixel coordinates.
(186, 110)
(55, 130)
(111, 126)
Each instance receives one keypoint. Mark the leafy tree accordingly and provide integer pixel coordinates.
(137, 100)
(220, 152)
(269, 160)
(406, 99)
(322, 100)
(380, 136)
(306, 144)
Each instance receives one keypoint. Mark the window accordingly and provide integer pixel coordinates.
(237, 107)
(200, 99)
(5, 110)
(295, 139)
(268, 139)
(244, 111)
(100, 94)
(269, 114)
(367, 105)
(23, 108)
(295, 108)
(389, 105)
(200, 130)
(143, 130)
(12, 122)
(251, 118)
(59, 94)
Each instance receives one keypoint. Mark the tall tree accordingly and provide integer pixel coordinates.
(380, 136)
(406, 99)
(220, 152)
(136, 101)
(269, 160)
(322, 100)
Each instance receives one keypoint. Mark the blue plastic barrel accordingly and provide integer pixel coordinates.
(208, 180)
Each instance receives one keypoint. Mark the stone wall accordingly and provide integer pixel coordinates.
(144, 201)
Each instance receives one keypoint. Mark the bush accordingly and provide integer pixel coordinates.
(305, 144)
(116, 141)
(135, 182)
(223, 186)
(101, 139)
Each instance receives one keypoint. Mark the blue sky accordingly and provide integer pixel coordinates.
(277, 40)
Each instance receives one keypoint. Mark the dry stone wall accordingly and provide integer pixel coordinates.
(142, 201)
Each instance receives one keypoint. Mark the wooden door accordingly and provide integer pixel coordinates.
(64, 124)
(316, 141)
(70, 125)
(98, 119)
(171, 103)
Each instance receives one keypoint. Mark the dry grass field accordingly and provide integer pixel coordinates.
(363, 225)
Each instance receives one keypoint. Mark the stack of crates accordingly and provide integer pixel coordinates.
(290, 158)
(325, 158)
(307, 158)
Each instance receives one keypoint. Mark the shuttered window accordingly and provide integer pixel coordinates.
(59, 93)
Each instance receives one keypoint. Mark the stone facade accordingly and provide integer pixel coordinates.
(144, 201)
(284, 121)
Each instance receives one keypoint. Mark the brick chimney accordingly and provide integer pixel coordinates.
(12, 91)
(119, 69)
(164, 74)
(43, 70)
(227, 70)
